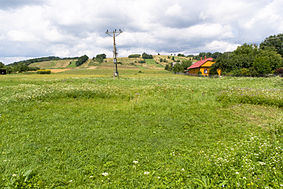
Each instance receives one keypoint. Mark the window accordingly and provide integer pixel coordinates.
(205, 71)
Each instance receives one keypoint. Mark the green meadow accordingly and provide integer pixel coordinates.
(149, 129)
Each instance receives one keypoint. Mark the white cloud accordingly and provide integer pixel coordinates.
(220, 46)
(72, 27)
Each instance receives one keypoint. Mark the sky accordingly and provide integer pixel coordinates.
(68, 28)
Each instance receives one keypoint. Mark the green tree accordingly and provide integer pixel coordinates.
(134, 56)
(100, 57)
(273, 42)
(2, 65)
(186, 63)
(178, 68)
(244, 55)
(266, 61)
(81, 60)
(147, 56)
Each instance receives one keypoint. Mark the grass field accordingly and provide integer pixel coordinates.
(53, 64)
(149, 129)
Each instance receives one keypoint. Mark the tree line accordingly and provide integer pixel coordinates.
(253, 60)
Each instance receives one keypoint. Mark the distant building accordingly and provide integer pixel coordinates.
(3, 71)
(202, 67)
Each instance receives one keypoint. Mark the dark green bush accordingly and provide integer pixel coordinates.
(81, 60)
(134, 56)
(147, 56)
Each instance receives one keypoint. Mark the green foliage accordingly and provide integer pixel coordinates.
(100, 57)
(248, 60)
(186, 63)
(43, 71)
(177, 68)
(147, 56)
(266, 61)
(2, 65)
(82, 60)
(273, 42)
(134, 56)
(181, 55)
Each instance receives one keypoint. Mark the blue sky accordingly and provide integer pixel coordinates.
(36, 28)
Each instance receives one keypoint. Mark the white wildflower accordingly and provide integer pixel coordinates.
(182, 169)
(146, 173)
(91, 176)
(70, 180)
(261, 163)
(105, 174)
(135, 162)
(14, 175)
(237, 173)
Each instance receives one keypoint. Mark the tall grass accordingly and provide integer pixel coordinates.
(84, 129)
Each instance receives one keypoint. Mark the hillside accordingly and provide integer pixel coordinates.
(157, 63)
(53, 64)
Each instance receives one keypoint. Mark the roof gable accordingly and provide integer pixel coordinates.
(200, 63)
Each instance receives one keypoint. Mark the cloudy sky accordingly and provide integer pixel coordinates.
(36, 28)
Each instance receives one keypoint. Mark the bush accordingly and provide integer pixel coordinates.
(33, 68)
(81, 60)
(142, 61)
(147, 56)
(245, 72)
(134, 56)
(100, 57)
(43, 71)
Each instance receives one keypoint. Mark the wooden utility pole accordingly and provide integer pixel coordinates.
(114, 34)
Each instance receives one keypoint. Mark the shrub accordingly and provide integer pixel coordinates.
(43, 71)
(81, 60)
(33, 68)
(147, 56)
(142, 61)
(100, 57)
(134, 56)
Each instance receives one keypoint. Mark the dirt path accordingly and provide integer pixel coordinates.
(59, 70)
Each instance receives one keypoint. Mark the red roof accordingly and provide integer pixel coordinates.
(200, 63)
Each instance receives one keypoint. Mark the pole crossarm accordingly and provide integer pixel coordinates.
(114, 34)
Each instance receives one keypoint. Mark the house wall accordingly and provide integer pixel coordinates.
(204, 69)
(193, 71)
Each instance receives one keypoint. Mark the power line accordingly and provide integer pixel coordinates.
(114, 34)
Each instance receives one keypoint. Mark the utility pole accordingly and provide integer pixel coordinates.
(114, 34)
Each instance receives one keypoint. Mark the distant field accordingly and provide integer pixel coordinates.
(53, 64)
(148, 129)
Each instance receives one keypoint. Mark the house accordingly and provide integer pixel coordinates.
(202, 67)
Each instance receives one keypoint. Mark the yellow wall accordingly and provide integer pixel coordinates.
(193, 71)
(205, 66)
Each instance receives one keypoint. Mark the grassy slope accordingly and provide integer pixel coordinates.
(52, 64)
(108, 63)
(71, 127)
